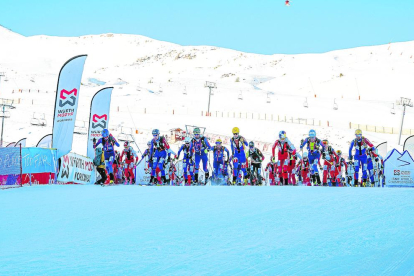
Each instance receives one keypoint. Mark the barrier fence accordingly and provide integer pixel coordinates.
(256, 116)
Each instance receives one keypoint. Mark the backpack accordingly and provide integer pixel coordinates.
(97, 161)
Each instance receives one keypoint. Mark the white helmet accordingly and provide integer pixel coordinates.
(187, 140)
(305, 154)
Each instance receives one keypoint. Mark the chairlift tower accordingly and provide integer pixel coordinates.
(5, 104)
(404, 102)
(210, 85)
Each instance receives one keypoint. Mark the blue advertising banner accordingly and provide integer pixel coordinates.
(9, 161)
(38, 160)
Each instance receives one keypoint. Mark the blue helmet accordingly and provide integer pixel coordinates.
(282, 134)
(105, 133)
(312, 133)
(155, 132)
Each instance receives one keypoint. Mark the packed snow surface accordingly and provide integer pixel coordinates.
(130, 230)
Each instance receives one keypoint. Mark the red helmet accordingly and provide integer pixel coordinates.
(126, 144)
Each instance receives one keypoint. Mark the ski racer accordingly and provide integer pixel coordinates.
(350, 174)
(313, 145)
(339, 162)
(284, 148)
(158, 154)
(219, 158)
(329, 156)
(188, 159)
(272, 168)
(375, 166)
(148, 166)
(131, 160)
(201, 147)
(291, 168)
(256, 159)
(99, 162)
(238, 156)
(304, 168)
(108, 142)
(361, 145)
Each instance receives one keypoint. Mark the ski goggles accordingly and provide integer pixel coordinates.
(359, 136)
(218, 143)
(155, 135)
(198, 134)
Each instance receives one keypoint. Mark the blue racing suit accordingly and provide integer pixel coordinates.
(361, 156)
(109, 152)
(314, 156)
(188, 162)
(239, 157)
(158, 154)
(201, 147)
(218, 163)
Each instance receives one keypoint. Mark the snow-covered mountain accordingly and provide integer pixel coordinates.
(152, 74)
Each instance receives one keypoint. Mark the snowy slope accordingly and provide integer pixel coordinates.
(130, 230)
(140, 67)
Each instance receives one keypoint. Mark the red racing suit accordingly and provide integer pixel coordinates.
(304, 168)
(272, 168)
(284, 148)
(336, 173)
(131, 158)
(329, 156)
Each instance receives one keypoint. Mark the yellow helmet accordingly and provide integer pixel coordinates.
(236, 130)
(219, 141)
(358, 132)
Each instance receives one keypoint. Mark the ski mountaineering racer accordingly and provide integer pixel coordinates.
(272, 169)
(328, 156)
(158, 154)
(188, 160)
(131, 159)
(108, 142)
(304, 168)
(284, 148)
(238, 155)
(201, 147)
(361, 145)
(313, 145)
(256, 159)
(219, 158)
(339, 163)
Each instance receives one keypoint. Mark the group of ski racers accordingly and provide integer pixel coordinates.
(315, 163)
